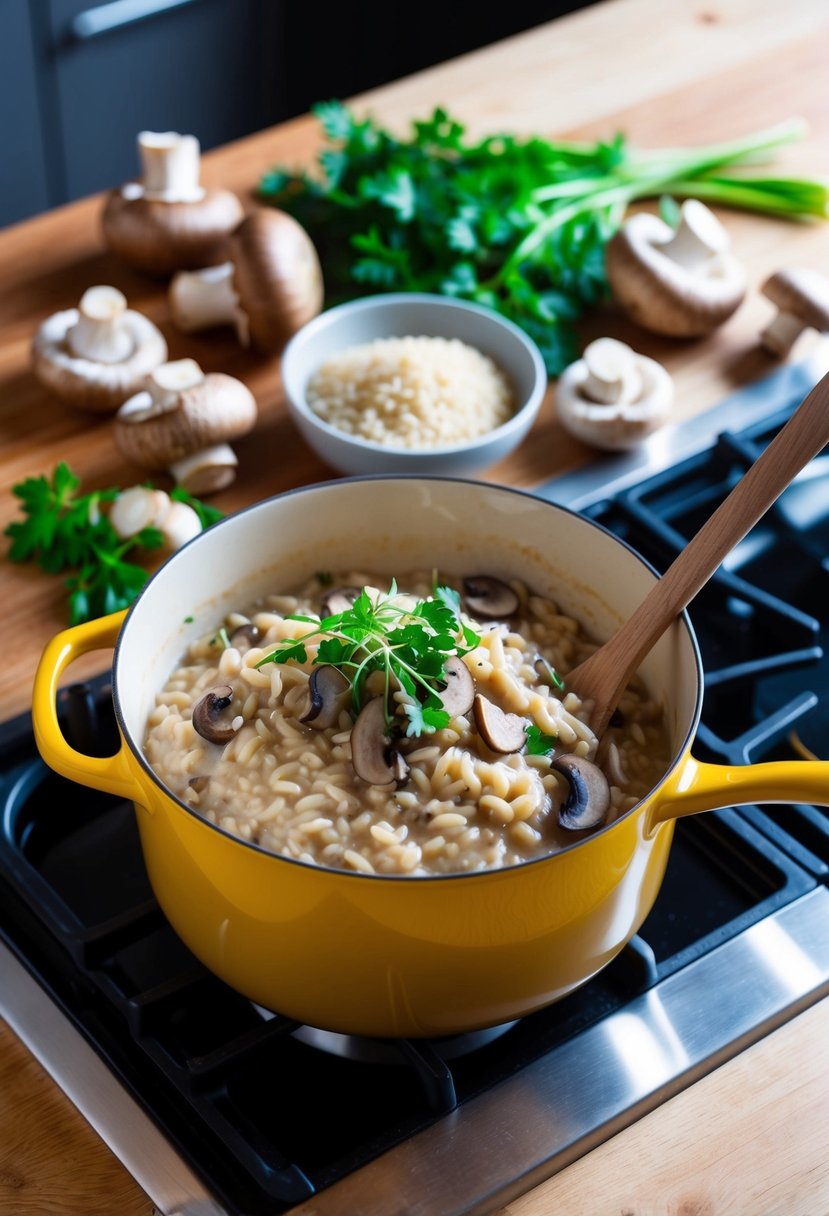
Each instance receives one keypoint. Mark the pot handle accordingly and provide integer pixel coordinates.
(707, 787)
(109, 773)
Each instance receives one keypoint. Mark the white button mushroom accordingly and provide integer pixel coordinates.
(612, 397)
(802, 299)
(682, 282)
(167, 221)
(270, 287)
(183, 422)
(97, 355)
(137, 508)
(142, 507)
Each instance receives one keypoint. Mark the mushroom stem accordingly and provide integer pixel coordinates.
(168, 381)
(170, 166)
(207, 471)
(137, 508)
(613, 374)
(780, 334)
(201, 299)
(699, 236)
(100, 333)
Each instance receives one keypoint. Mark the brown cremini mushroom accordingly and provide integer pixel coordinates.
(370, 745)
(269, 288)
(501, 732)
(337, 601)
(613, 398)
(488, 597)
(168, 221)
(329, 692)
(802, 299)
(588, 798)
(207, 714)
(183, 422)
(247, 635)
(683, 282)
(457, 695)
(97, 355)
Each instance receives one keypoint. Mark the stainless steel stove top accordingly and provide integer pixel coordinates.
(567, 1078)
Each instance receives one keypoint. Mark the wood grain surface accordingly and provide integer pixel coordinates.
(747, 1140)
(750, 1138)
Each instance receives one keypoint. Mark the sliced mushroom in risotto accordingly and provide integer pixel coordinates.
(414, 732)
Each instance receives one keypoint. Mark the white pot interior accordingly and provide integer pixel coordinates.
(395, 525)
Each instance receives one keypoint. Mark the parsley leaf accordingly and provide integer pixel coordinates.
(207, 515)
(423, 720)
(67, 532)
(516, 224)
(539, 744)
(411, 645)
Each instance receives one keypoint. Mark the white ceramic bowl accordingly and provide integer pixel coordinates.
(414, 315)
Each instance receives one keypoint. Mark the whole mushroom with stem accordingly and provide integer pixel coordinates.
(167, 221)
(269, 288)
(184, 421)
(802, 300)
(683, 282)
(97, 355)
(613, 398)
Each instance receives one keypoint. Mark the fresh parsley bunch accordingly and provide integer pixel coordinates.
(518, 225)
(410, 645)
(66, 531)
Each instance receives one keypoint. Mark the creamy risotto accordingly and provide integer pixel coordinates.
(485, 762)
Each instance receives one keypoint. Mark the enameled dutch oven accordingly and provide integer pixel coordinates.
(378, 955)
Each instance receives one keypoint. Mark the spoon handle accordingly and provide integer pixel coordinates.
(603, 676)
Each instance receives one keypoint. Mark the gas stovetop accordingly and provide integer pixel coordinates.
(217, 1106)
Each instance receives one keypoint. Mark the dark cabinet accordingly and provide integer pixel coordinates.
(80, 78)
(99, 73)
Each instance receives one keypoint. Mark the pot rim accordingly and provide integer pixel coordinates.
(332, 484)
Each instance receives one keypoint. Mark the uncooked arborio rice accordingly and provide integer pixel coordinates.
(411, 392)
(292, 789)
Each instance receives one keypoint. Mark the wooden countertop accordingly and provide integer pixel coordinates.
(751, 1136)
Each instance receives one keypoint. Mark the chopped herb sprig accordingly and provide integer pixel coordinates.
(64, 531)
(539, 744)
(516, 224)
(408, 644)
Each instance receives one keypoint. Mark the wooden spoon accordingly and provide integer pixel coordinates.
(602, 678)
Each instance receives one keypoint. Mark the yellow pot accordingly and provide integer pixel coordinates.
(376, 955)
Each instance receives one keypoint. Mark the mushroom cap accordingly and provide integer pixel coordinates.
(803, 293)
(99, 387)
(588, 798)
(458, 691)
(500, 731)
(662, 295)
(162, 237)
(489, 598)
(277, 276)
(329, 692)
(622, 424)
(370, 745)
(337, 600)
(217, 409)
(207, 713)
